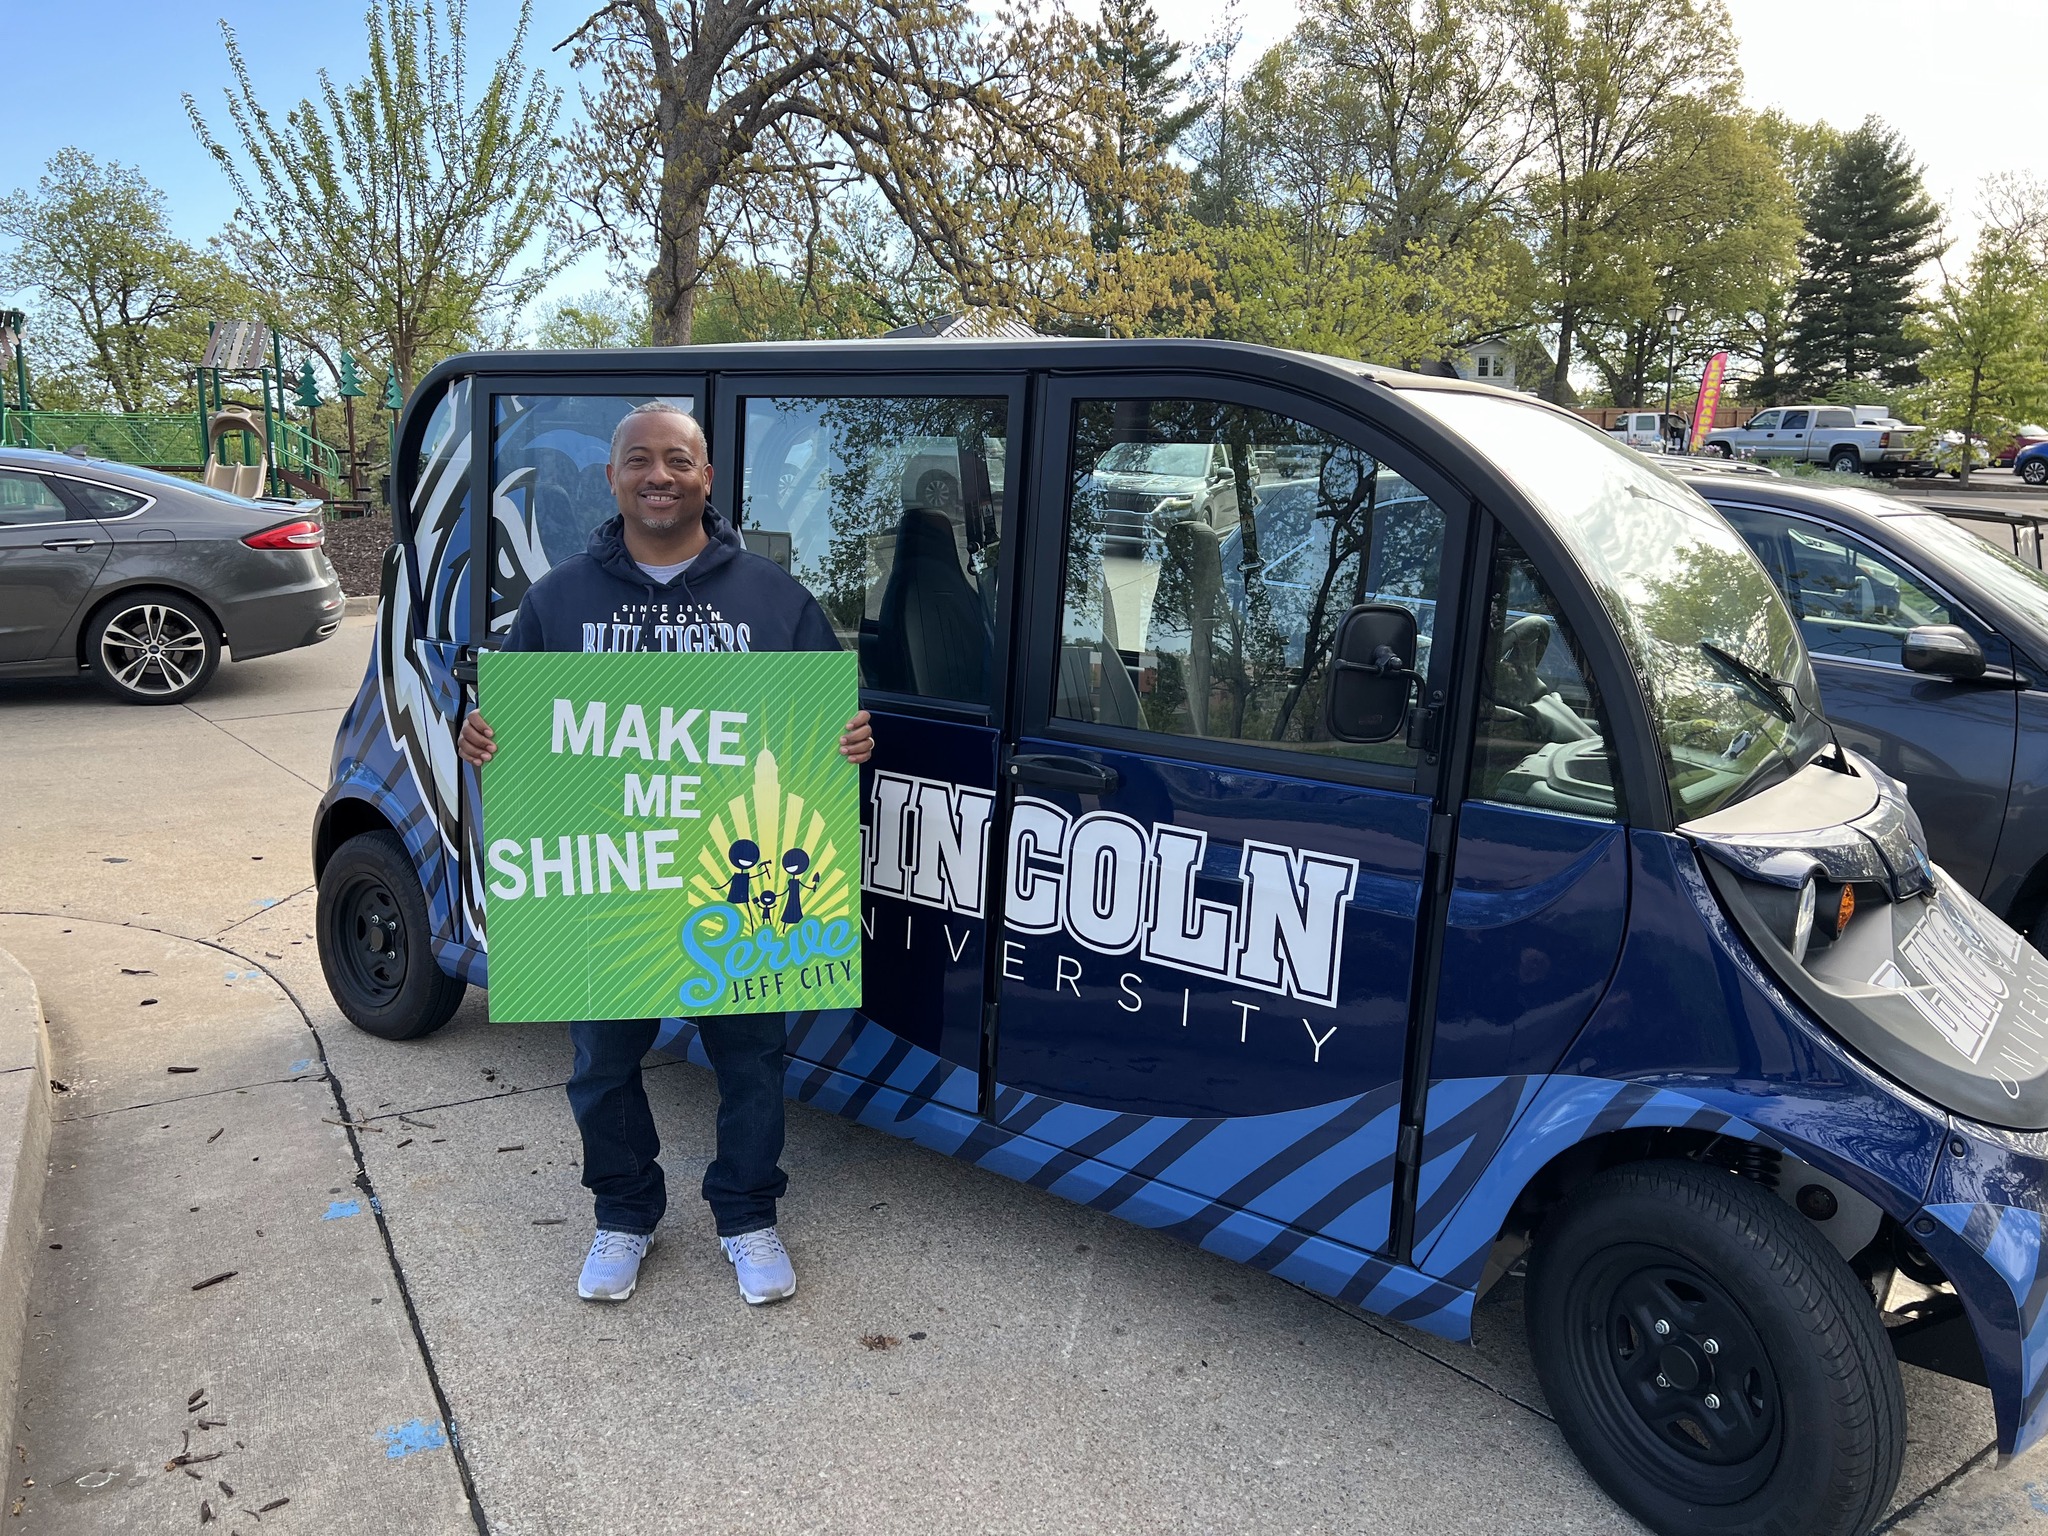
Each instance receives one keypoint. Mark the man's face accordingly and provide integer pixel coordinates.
(660, 477)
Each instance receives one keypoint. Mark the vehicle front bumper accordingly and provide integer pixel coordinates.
(1983, 1221)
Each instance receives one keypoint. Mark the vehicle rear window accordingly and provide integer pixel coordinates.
(104, 500)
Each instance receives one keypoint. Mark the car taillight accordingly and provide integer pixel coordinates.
(299, 535)
(1884, 439)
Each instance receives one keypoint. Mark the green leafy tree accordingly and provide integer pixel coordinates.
(603, 317)
(1144, 112)
(1986, 338)
(398, 215)
(1624, 98)
(121, 303)
(1757, 334)
(1870, 228)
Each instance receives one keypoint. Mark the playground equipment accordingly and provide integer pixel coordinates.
(234, 444)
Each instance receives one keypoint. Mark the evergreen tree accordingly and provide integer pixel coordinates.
(1869, 228)
(1143, 113)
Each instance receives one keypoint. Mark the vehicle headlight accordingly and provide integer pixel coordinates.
(1174, 504)
(1789, 913)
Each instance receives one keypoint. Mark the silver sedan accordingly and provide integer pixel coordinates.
(142, 579)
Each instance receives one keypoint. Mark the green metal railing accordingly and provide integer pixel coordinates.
(167, 441)
(303, 454)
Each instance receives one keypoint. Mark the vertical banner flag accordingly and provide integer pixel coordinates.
(670, 834)
(1708, 403)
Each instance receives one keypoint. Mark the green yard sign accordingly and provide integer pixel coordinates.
(670, 834)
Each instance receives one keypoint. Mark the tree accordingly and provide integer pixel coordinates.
(396, 216)
(1986, 340)
(123, 305)
(1728, 234)
(1624, 95)
(603, 317)
(1144, 113)
(1756, 335)
(1870, 227)
(742, 122)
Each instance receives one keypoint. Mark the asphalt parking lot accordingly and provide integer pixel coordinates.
(398, 1345)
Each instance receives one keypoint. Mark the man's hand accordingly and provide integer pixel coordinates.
(476, 743)
(856, 746)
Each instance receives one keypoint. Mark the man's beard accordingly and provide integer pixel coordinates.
(658, 524)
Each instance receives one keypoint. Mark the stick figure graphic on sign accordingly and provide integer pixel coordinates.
(794, 864)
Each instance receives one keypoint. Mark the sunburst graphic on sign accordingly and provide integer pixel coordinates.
(769, 853)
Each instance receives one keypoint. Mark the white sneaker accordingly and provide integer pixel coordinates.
(762, 1264)
(613, 1267)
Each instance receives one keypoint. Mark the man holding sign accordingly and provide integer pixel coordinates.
(767, 913)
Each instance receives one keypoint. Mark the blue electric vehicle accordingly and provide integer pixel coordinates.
(1374, 827)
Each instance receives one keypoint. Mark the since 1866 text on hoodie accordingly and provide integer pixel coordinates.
(730, 599)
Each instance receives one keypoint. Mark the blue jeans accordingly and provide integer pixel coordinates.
(620, 1143)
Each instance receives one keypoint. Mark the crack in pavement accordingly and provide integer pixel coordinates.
(264, 911)
(231, 736)
(1478, 1381)
(188, 1098)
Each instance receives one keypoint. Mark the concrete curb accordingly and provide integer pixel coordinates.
(358, 605)
(24, 1161)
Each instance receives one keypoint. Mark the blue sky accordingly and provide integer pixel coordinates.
(107, 76)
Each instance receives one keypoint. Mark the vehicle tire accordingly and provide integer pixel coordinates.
(375, 938)
(1846, 461)
(2035, 471)
(1721, 449)
(1807, 1422)
(152, 647)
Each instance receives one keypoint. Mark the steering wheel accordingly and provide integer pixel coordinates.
(1522, 646)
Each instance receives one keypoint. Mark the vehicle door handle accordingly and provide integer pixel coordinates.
(1053, 772)
(68, 544)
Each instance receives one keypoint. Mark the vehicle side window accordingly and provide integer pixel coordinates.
(1835, 419)
(1198, 606)
(103, 500)
(1850, 600)
(548, 488)
(1795, 421)
(1765, 421)
(889, 509)
(29, 499)
(1542, 737)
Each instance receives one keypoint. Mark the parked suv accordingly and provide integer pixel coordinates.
(1930, 648)
(1198, 889)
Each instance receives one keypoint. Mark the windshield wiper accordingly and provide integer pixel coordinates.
(1770, 690)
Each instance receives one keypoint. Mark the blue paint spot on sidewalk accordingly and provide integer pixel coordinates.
(300, 1066)
(419, 1435)
(2036, 1498)
(336, 1209)
(264, 901)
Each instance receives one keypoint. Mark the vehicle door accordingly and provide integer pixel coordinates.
(1211, 908)
(1788, 439)
(1758, 436)
(51, 551)
(531, 498)
(888, 498)
(1951, 742)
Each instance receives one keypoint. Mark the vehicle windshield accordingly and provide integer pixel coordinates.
(2011, 581)
(1185, 460)
(1731, 693)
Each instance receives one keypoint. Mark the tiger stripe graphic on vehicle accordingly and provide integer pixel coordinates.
(1281, 1192)
(2009, 1239)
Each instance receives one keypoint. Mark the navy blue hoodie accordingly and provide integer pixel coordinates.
(730, 599)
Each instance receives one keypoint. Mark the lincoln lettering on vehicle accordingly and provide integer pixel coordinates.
(1114, 886)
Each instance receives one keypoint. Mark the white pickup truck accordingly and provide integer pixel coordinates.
(1818, 434)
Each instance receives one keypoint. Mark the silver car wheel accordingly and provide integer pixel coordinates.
(152, 649)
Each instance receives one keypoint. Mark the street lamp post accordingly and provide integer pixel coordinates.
(1672, 315)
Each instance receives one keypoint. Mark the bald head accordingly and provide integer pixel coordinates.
(655, 408)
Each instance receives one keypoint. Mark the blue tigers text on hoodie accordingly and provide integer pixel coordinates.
(730, 599)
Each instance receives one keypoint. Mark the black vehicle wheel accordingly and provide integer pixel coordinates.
(375, 941)
(1721, 449)
(2035, 471)
(1713, 1362)
(1845, 461)
(152, 647)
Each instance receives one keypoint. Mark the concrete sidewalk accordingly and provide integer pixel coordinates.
(966, 1354)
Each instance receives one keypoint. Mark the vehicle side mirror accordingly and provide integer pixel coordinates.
(1942, 650)
(1372, 670)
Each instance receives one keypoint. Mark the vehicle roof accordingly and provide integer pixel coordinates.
(69, 463)
(1844, 503)
(951, 354)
